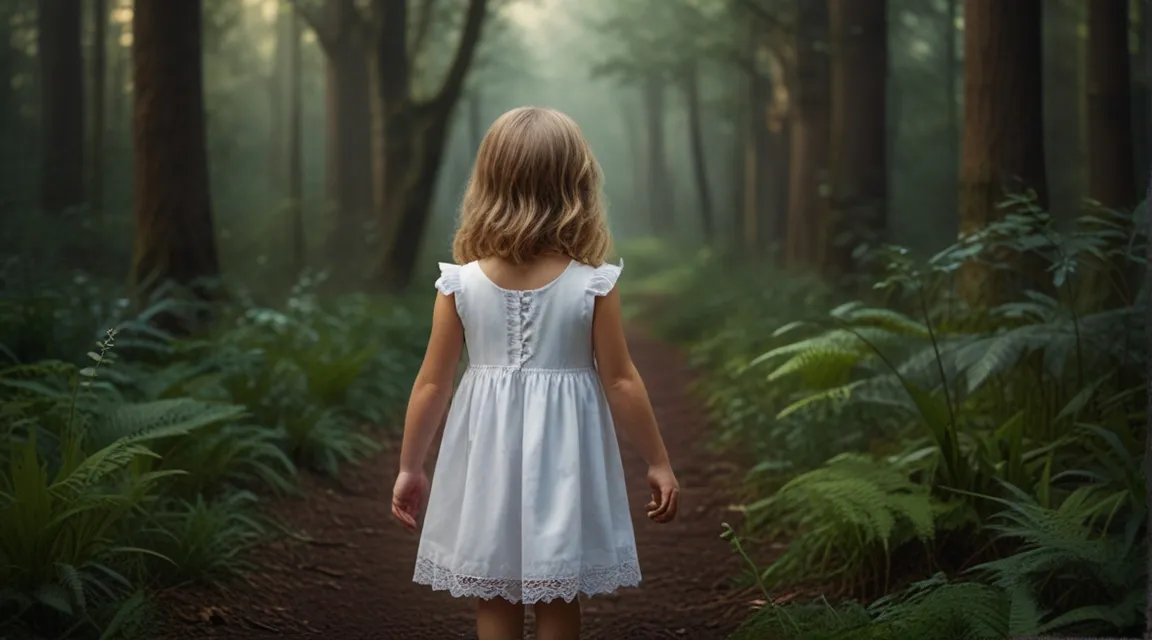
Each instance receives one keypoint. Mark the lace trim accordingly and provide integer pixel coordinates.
(604, 279)
(591, 581)
(521, 308)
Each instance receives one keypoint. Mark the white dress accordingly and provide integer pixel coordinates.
(528, 500)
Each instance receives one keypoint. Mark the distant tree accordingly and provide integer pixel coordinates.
(690, 83)
(1064, 105)
(1111, 157)
(661, 207)
(344, 35)
(175, 239)
(413, 132)
(1003, 146)
(295, 144)
(61, 104)
(99, 70)
(661, 45)
(859, 127)
(811, 118)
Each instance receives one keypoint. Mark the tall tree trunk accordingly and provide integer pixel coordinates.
(951, 33)
(295, 144)
(1064, 106)
(1111, 157)
(1003, 148)
(859, 128)
(413, 133)
(276, 104)
(641, 205)
(341, 34)
(175, 239)
(808, 170)
(61, 104)
(691, 81)
(99, 56)
(775, 152)
(751, 144)
(659, 187)
(116, 111)
(476, 120)
(1146, 40)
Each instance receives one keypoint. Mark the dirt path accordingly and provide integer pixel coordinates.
(355, 583)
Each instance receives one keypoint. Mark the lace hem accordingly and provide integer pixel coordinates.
(591, 581)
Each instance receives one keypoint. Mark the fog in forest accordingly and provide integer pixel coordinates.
(886, 285)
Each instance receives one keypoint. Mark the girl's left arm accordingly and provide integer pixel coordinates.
(433, 388)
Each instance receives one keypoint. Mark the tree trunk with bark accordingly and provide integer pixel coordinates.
(175, 239)
(276, 139)
(859, 128)
(414, 134)
(775, 150)
(1111, 157)
(811, 118)
(951, 34)
(691, 84)
(660, 206)
(342, 34)
(1064, 107)
(99, 64)
(476, 129)
(295, 145)
(1003, 149)
(61, 104)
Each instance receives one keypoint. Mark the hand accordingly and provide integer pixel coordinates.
(665, 493)
(408, 496)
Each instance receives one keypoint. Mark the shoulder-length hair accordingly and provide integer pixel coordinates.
(535, 189)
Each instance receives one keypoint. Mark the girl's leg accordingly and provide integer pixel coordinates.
(498, 619)
(557, 620)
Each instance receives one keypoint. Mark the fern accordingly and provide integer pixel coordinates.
(849, 510)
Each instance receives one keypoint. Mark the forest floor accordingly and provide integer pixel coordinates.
(353, 581)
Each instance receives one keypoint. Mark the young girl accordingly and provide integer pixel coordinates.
(529, 504)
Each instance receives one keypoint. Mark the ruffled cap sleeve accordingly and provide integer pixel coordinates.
(604, 279)
(449, 281)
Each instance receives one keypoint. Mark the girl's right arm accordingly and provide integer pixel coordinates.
(631, 408)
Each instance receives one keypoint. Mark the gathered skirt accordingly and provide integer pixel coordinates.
(528, 501)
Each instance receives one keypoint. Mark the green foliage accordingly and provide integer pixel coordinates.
(139, 471)
(1002, 444)
(846, 510)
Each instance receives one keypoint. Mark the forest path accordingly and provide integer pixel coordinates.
(354, 582)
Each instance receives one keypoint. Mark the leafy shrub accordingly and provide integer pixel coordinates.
(1020, 427)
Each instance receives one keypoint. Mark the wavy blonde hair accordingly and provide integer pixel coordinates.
(535, 189)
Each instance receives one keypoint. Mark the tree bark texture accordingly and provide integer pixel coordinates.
(414, 134)
(808, 169)
(61, 104)
(859, 128)
(342, 35)
(175, 238)
(295, 144)
(99, 64)
(1111, 156)
(691, 81)
(1064, 106)
(1003, 146)
(660, 207)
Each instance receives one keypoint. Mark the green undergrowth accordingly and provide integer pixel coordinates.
(936, 470)
(138, 460)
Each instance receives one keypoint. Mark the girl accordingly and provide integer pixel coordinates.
(528, 504)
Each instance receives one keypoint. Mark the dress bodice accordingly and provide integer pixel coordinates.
(548, 328)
